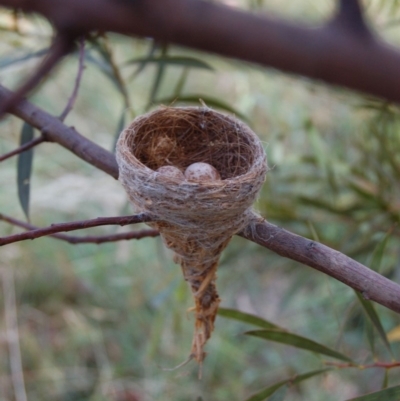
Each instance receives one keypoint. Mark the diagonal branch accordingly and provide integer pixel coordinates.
(89, 239)
(332, 53)
(372, 285)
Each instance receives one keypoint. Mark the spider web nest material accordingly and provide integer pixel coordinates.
(195, 219)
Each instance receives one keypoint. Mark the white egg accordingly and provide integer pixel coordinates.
(171, 172)
(199, 172)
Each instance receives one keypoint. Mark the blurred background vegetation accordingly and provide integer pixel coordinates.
(100, 322)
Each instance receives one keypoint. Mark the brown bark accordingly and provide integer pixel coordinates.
(342, 52)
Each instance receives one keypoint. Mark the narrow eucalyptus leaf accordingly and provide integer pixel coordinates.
(385, 381)
(172, 61)
(388, 394)
(366, 194)
(369, 328)
(379, 251)
(6, 61)
(209, 101)
(297, 341)
(159, 77)
(280, 394)
(142, 64)
(263, 394)
(373, 316)
(24, 169)
(247, 318)
(266, 392)
(181, 82)
(106, 66)
(120, 127)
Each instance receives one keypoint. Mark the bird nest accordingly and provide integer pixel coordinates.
(197, 172)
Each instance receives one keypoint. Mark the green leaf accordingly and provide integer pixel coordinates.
(181, 82)
(280, 394)
(173, 61)
(317, 144)
(247, 318)
(366, 194)
(313, 231)
(297, 341)
(120, 127)
(159, 76)
(266, 392)
(369, 328)
(209, 101)
(373, 316)
(263, 394)
(385, 382)
(108, 66)
(142, 65)
(6, 61)
(377, 254)
(24, 169)
(105, 68)
(389, 394)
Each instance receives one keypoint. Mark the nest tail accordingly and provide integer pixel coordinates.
(206, 308)
(202, 280)
(195, 219)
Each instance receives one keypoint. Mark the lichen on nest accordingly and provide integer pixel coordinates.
(196, 217)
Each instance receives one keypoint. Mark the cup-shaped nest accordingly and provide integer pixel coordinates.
(196, 219)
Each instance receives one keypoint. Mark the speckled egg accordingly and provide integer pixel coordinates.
(171, 172)
(199, 172)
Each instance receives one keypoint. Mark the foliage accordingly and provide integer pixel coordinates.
(96, 323)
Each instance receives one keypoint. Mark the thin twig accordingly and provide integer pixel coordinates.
(60, 47)
(93, 239)
(383, 365)
(81, 67)
(350, 17)
(12, 333)
(75, 225)
(23, 148)
(101, 239)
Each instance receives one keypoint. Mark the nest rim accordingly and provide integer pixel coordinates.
(131, 132)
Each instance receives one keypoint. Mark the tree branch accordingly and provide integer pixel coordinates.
(331, 53)
(331, 262)
(74, 225)
(357, 276)
(92, 239)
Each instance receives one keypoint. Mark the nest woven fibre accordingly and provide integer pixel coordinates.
(195, 219)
